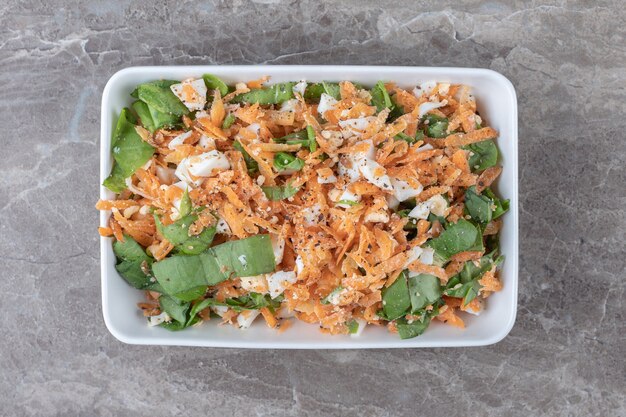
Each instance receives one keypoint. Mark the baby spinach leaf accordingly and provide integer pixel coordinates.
(129, 151)
(296, 138)
(158, 96)
(178, 235)
(380, 97)
(116, 181)
(484, 207)
(174, 308)
(129, 250)
(201, 305)
(310, 133)
(251, 164)
(396, 111)
(415, 328)
(436, 126)
(185, 204)
(275, 94)
(501, 206)
(143, 112)
(228, 121)
(174, 326)
(278, 192)
(348, 203)
(396, 299)
(213, 82)
(466, 283)
(131, 257)
(284, 161)
(484, 155)
(403, 136)
(153, 119)
(245, 257)
(314, 91)
(424, 289)
(305, 137)
(467, 291)
(254, 301)
(458, 237)
(478, 206)
(192, 294)
(353, 326)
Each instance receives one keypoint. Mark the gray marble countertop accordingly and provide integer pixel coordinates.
(564, 357)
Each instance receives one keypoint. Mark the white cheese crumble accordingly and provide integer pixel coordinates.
(156, 320)
(402, 190)
(179, 140)
(300, 87)
(222, 227)
(278, 246)
(257, 283)
(246, 317)
(278, 281)
(327, 102)
(192, 93)
(429, 106)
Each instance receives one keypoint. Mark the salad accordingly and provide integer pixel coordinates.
(336, 204)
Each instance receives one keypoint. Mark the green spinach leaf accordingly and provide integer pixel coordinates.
(278, 192)
(213, 82)
(178, 235)
(245, 257)
(501, 206)
(185, 204)
(484, 155)
(314, 91)
(254, 301)
(466, 284)
(275, 94)
(403, 136)
(478, 206)
(228, 121)
(458, 237)
(132, 261)
(396, 299)
(153, 119)
(310, 133)
(116, 181)
(415, 328)
(158, 96)
(305, 137)
(129, 151)
(424, 289)
(380, 97)
(284, 161)
(436, 126)
(174, 308)
(353, 326)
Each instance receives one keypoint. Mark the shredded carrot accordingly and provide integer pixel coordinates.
(448, 316)
(487, 178)
(479, 135)
(118, 204)
(105, 231)
(269, 317)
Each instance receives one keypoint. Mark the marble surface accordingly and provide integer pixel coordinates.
(564, 357)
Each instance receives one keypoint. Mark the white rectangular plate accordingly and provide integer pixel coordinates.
(497, 103)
